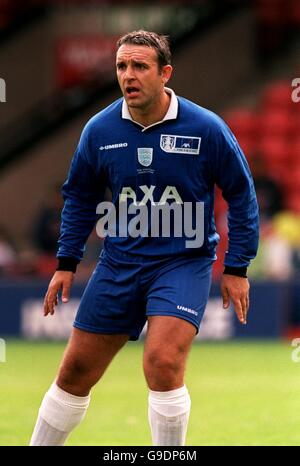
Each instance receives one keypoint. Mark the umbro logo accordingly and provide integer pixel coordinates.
(114, 146)
(187, 309)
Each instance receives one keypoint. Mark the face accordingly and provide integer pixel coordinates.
(140, 79)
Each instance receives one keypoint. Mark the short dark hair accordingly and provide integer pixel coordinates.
(158, 42)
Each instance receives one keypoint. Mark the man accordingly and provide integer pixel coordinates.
(151, 149)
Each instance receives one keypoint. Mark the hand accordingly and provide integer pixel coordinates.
(236, 289)
(61, 281)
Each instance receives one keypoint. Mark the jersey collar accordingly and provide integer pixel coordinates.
(170, 115)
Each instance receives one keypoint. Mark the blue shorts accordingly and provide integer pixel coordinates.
(122, 292)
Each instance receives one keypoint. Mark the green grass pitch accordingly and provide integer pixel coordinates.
(243, 393)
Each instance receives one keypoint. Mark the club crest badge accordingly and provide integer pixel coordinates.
(167, 142)
(180, 144)
(145, 156)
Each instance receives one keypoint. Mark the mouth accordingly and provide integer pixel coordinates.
(132, 91)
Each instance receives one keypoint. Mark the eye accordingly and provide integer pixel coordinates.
(140, 66)
(120, 66)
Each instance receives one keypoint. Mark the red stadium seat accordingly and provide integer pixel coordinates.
(276, 123)
(220, 211)
(295, 179)
(274, 149)
(248, 145)
(292, 201)
(277, 96)
(285, 180)
(294, 153)
(290, 179)
(242, 122)
(296, 123)
(220, 204)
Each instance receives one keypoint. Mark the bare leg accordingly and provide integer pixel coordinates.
(65, 404)
(85, 360)
(167, 346)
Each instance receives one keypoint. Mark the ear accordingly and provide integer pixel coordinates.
(166, 73)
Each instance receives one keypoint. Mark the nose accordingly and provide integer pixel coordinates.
(129, 73)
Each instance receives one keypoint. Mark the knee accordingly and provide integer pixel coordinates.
(75, 377)
(158, 360)
(161, 367)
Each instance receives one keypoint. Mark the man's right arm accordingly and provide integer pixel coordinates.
(82, 192)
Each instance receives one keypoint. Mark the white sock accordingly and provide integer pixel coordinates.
(59, 413)
(168, 416)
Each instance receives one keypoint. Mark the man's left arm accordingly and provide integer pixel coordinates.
(233, 176)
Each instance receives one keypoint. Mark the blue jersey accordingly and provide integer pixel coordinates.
(179, 159)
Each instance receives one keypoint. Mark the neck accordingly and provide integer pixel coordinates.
(153, 113)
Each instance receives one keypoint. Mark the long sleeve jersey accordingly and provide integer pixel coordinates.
(179, 159)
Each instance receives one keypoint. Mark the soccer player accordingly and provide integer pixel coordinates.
(152, 149)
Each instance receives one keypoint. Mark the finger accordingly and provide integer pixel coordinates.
(46, 306)
(239, 311)
(244, 307)
(247, 305)
(52, 298)
(65, 293)
(226, 298)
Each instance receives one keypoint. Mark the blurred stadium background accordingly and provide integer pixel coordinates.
(235, 57)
